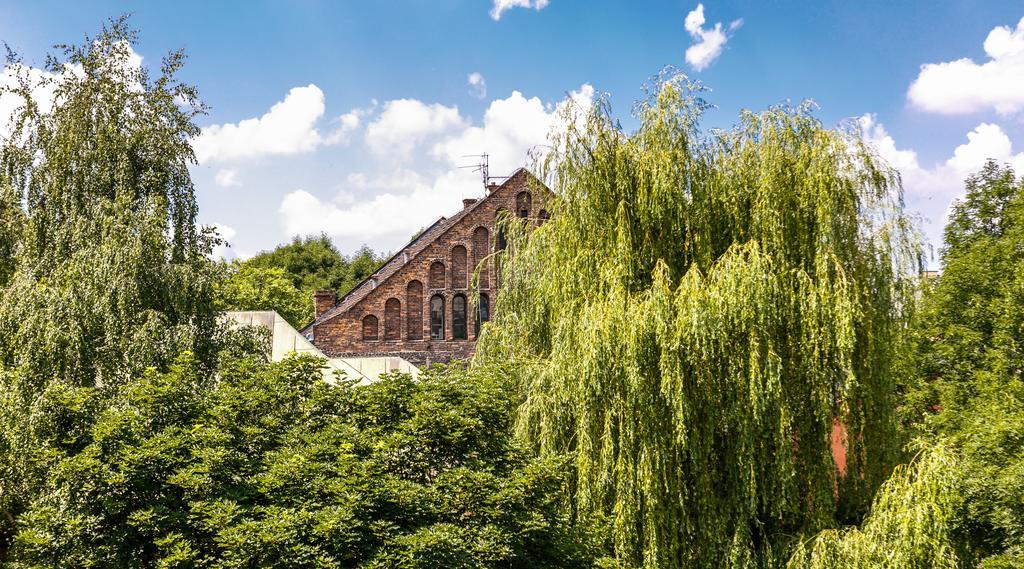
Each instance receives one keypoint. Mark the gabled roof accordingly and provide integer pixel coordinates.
(404, 255)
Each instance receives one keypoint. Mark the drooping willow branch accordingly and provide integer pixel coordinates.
(698, 315)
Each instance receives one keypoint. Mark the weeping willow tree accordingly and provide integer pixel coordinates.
(910, 525)
(704, 312)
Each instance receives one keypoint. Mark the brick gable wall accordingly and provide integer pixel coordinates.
(396, 306)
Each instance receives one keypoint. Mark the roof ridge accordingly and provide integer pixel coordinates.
(443, 224)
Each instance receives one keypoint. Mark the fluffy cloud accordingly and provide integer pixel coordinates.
(225, 250)
(386, 209)
(477, 85)
(42, 85)
(709, 41)
(511, 128)
(289, 127)
(931, 190)
(42, 89)
(963, 86)
(405, 123)
(227, 178)
(502, 5)
(392, 216)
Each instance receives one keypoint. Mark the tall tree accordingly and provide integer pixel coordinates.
(111, 275)
(962, 503)
(697, 318)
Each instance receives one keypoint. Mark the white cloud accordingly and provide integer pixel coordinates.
(289, 127)
(477, 85)
(405, 123)
(931, 190)
(392, 216)
(709, 41)
(224, 251)
(386, 209)
(503, 5)
(227, 178)
(42, 85)
(41, 88)
(963, 86)
(511, 128)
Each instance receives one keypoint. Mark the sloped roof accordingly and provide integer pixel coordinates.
(404, 255)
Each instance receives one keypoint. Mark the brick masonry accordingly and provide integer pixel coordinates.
(387, 315)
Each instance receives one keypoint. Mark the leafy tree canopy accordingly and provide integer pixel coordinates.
(268, 465)
(110, 274)
(251, 287)
(699, 313)
(314, 263)
(962, 503)
(311, 263)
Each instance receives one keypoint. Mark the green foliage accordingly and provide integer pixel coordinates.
(110, 275)
(251, 287)
(11, 219)
(909, 525)
(695, 317)
(313, 263)
(268, 465)
(970, 360)
(962, 505)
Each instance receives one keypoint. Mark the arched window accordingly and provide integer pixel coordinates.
(524, 204)
(437, 317)
(483, 313)
(393, 319)
(369, 327)
(543, 216)
(481, 246)
(437, 275)
(459, 267)
(414, 310)
(459, 317)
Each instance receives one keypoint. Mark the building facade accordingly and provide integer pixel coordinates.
(419, 305)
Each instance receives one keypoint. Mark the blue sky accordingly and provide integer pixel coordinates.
(374, 108)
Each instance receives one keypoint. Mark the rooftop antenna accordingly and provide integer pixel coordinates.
(482, 166)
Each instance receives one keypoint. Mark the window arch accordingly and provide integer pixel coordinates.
(370, 325)
(414, 310)
(459, 317)
(483, 313)
(437, 317)
(437, 274)
(392, 319)
(481, 244)
(459, 267)
(524, 204)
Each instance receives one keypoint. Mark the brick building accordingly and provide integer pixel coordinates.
(418, 304)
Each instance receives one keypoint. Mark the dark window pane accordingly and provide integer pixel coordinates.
(459, 317)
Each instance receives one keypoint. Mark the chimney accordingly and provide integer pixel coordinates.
(466, 202)
(491, 187)
(324, 301)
